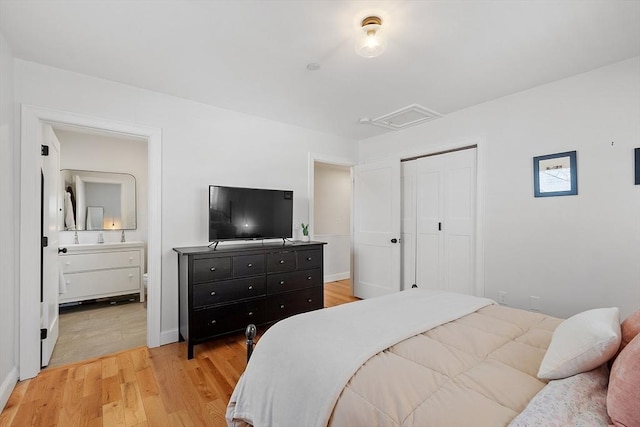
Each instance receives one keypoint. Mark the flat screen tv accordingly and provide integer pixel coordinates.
(249, 213)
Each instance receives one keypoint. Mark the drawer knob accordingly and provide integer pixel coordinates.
(213, 322)
(130, 258)
(281, 306)
(249, 265)
(213, 293)
(309, 300)
(251, 313)
(212, 269)
(67, 263)
(308, 258)
(308, 277)
(281, 261)
(130, 276)
(250, 287)
(282, 282)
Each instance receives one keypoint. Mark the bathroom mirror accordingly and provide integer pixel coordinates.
(94, 200)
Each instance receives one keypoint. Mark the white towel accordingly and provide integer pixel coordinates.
(62, 284)
(69, 220)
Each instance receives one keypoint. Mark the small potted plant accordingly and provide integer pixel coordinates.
(305, 232)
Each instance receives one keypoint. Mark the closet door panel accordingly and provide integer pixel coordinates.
(408, 226)
(429, 244)
(459, 213)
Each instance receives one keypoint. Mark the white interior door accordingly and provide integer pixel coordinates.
(376, 198)
(445, 221)
(429, 218)
(459, 225)
(51, 212)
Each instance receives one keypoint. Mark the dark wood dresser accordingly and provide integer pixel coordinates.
(223, 290)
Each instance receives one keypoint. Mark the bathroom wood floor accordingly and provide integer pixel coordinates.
(99, 329)
(141, 387)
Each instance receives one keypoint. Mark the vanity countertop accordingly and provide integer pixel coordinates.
(88, 246)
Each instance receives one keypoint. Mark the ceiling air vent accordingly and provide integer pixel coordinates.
(404, 117)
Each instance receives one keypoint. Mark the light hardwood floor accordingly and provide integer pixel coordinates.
(141, 386)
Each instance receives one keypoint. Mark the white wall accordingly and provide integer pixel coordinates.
(8, 227)
(201, 145)
(108, 154)
(332, 217)
(574, 252)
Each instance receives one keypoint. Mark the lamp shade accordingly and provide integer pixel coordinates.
(371, 42)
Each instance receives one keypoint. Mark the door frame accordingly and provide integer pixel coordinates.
(29, 269)
(480, 144)
(339, 161)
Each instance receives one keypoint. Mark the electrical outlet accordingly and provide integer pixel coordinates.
(534, 303)
(502, 297)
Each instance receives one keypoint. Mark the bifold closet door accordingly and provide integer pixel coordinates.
(445, 187)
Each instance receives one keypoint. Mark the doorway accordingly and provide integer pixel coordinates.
(113, 171)
(330, 217)
(33, 118)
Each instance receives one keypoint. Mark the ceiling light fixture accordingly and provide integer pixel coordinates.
(371, 43)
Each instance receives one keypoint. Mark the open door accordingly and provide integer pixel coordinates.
(376, 258)
(51, 213)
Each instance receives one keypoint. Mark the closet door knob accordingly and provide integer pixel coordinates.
(309, 300)
(309, 258)
(212, 269)
(308, 277)
(249, 265)
(281, 306)
(213, 322)
(250, 287)
(281, 261)
(213, 293)
(251, 313)
(282, 282)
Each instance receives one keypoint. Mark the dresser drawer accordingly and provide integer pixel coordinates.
(208, 269)
(281, 261)
(99, 261)
(227, 318)
(309, 259)
(248, 265)
(285, 305)
(100, 283)
(285, 282)
(228, 290)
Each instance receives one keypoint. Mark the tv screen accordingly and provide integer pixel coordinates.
(249, 213)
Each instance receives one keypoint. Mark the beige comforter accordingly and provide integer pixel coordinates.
(479, 370)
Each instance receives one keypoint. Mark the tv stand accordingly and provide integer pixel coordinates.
(222, 290)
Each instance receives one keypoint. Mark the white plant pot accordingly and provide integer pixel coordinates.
(305, 238)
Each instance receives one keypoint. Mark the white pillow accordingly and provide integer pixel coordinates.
(581, 343)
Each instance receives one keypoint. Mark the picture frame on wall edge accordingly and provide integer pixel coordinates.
(555, 175)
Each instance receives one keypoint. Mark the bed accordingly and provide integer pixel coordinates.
(422, 358)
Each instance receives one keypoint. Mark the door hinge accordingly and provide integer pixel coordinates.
(43, 333)
(44, 150)
(45, 241)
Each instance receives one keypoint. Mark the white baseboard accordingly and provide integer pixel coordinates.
(168, 337)
(7, 386)
(336, 277)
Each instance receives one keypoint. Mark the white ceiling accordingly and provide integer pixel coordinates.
(251, 55)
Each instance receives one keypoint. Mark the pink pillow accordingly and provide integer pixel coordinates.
(630, 328)
(623, 396)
